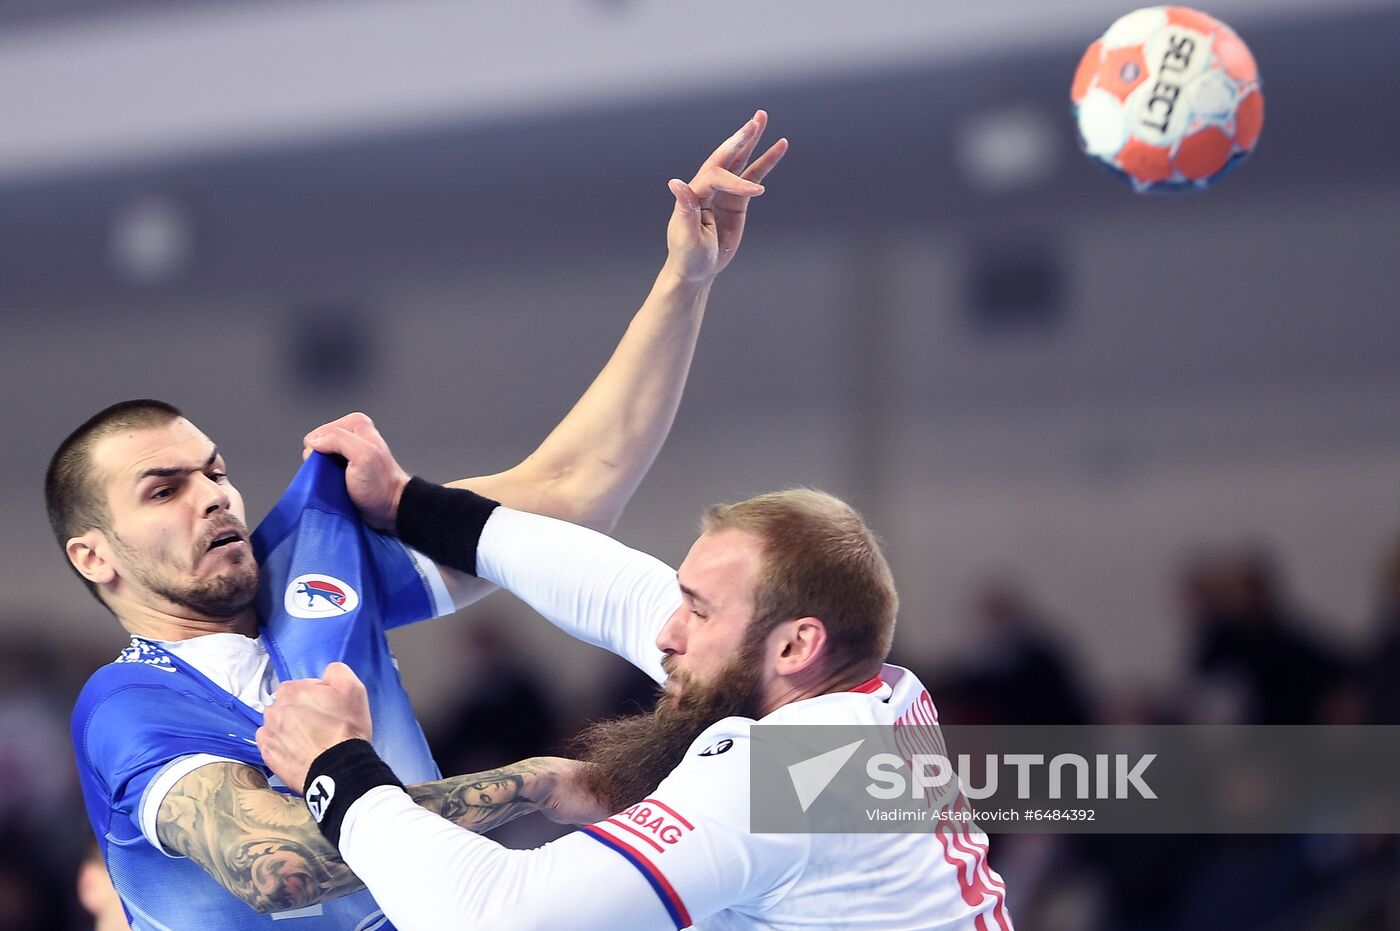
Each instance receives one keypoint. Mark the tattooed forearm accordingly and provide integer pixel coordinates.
(261, 845)
(265, 848)
(482, 801)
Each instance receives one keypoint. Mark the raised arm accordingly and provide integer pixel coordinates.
(588, 467)
(263, 845)
(586, 470)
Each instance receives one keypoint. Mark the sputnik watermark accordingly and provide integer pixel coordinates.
(1115, 775)
(1113, 779)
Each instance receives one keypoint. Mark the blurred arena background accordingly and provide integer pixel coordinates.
(1133, 459)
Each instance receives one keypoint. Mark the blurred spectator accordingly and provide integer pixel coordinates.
(1018, 671)
(36, 877)
(37, 776)
(1382, 673)
(42, 830)
(1141, 880)
(1253, 658)
(97, 895)
(1246, 882)
(500, 714)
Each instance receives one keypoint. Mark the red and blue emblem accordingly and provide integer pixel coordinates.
(316, 595)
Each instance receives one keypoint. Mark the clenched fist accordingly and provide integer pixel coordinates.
(308, 717)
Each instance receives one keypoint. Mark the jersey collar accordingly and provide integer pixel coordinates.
(873, 684)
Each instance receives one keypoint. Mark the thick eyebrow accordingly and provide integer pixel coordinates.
(693, 595)
(172, 471)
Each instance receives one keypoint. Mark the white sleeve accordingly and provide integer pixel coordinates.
(586, 583)
(433, 578)
(676, 858)
(692, 833)
(428, 874)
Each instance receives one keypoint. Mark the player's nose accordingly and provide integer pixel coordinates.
(213, 496)
(671, 639)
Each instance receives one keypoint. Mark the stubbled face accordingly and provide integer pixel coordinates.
(705, 634)
(177, 535)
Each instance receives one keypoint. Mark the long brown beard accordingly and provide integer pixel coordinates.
(631, 754)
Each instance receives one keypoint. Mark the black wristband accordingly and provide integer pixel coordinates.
(443, 524)
(336, 780)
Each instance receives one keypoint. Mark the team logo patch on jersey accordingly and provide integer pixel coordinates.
(315, 595)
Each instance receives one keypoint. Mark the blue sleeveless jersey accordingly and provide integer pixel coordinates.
(329, 590)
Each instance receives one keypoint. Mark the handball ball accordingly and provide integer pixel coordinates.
(1168, 99)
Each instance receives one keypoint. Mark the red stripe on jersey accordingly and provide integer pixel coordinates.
(981, 875)
(983, 847)
(870, 685)
(661, 883)
(966, 877)
(670, 811)
(993, 880)
(631, 830)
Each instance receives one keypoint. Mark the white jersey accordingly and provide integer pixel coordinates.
(692, 839)
(692, 835)
(684, 856)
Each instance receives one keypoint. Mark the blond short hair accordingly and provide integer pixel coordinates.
(819, 560)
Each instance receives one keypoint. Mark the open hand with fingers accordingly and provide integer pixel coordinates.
(708, 221)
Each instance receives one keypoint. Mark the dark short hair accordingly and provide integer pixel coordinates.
(75, 502)
(819, 560)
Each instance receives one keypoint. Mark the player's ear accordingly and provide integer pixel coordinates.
(796, 645)
(91, 555)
